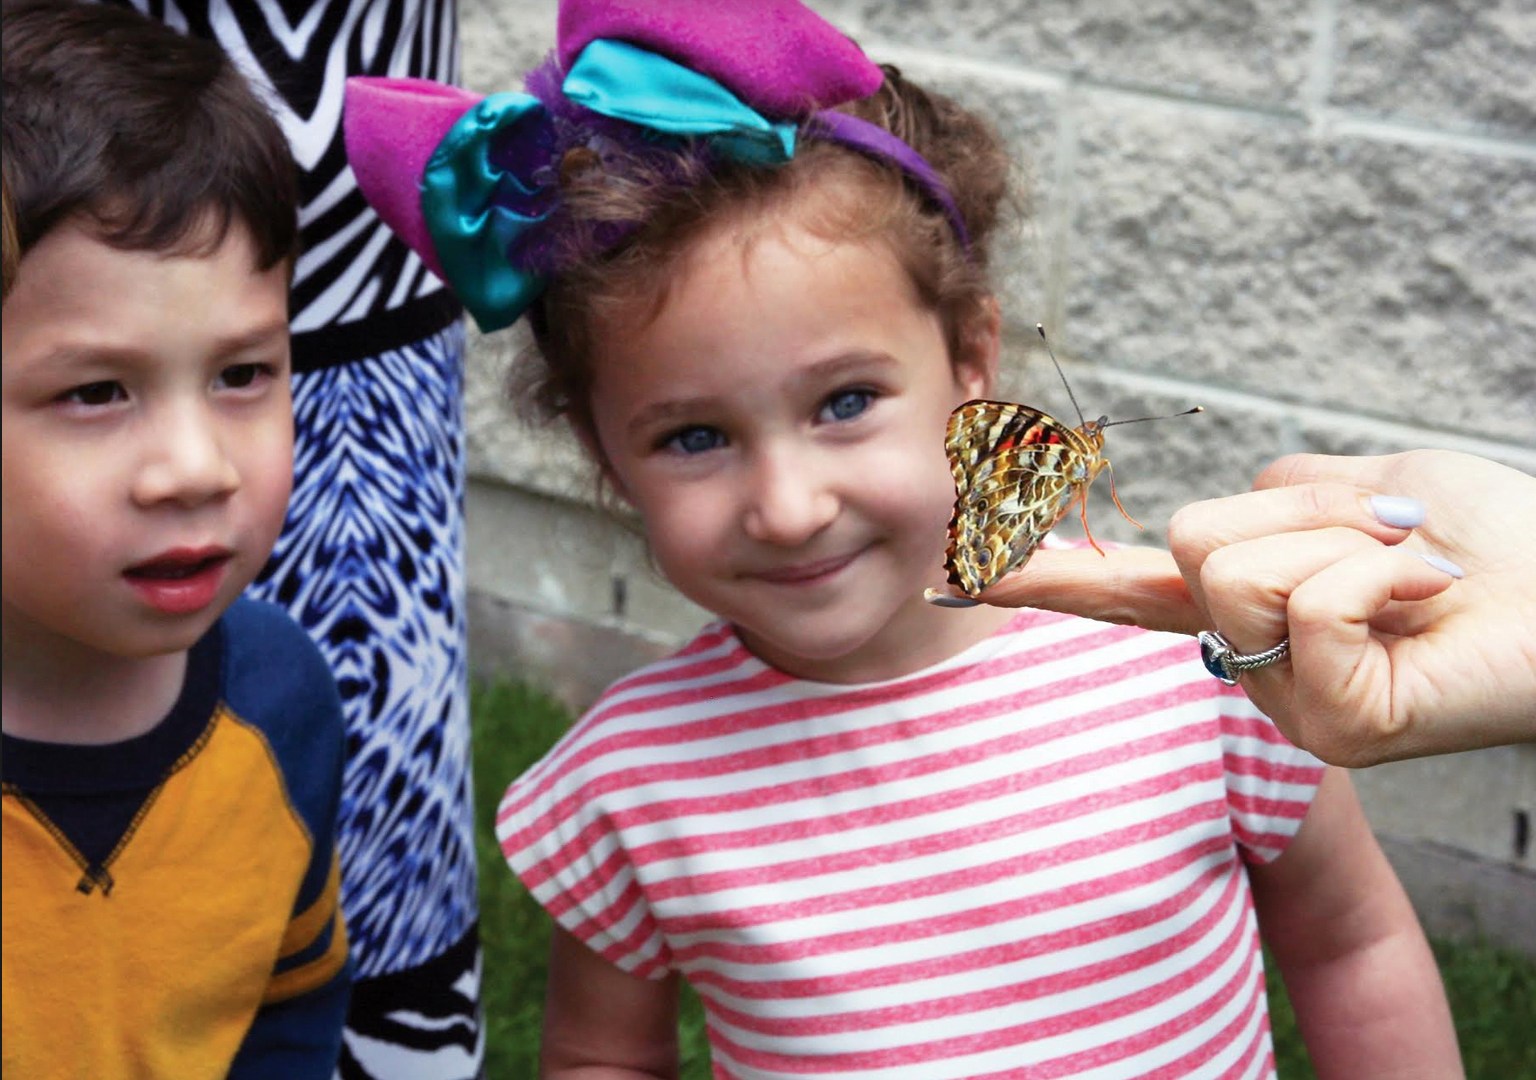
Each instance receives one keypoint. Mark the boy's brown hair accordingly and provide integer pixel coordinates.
(10, 247)
(145, 135)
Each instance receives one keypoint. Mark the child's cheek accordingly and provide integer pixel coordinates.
(269, 466)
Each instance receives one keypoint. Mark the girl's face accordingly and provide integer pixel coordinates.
(779, 426)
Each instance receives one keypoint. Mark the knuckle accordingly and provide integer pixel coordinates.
(1189, 528)
(1317, 502)
(1306, 611)
(1227, 573)
(1282, 472)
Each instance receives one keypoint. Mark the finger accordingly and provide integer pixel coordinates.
(1341, 671)
(1364, 472)
(1248, 586)
(1199, 529)
(1141, 586)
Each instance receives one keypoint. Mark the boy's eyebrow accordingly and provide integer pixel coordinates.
(259, 336)
(85, 352)
(821, 371)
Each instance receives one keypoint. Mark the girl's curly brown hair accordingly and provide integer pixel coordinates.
(834, 191)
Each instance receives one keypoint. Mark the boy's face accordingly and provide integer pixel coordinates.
(147, 438)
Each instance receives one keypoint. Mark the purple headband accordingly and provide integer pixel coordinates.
(832, 126)
(469, 182)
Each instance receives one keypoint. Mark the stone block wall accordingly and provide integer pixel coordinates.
(1317, 218)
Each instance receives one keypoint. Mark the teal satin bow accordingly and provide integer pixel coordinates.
(479, 211)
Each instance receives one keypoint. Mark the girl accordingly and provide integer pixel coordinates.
(881, 838)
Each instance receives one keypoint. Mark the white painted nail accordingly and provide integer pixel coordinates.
(1445, 566)
(1398, 511)
(940, 599)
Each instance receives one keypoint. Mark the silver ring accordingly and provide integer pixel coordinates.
(1222, 661)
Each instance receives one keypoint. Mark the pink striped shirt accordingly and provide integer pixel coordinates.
(1022, 862)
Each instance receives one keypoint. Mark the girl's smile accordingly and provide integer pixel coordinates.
(813, 573)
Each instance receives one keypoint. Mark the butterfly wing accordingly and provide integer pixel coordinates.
(1017, 472)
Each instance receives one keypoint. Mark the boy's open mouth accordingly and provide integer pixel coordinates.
(180, 563)
(181, 581)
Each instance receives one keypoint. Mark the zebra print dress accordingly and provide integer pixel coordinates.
(371, 557)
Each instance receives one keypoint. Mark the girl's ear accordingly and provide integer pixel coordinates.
(980, 346)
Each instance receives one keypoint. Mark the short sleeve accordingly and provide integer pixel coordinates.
(565, 848)
(1270, 782)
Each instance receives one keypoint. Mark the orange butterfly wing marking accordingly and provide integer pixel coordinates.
(1017, 472)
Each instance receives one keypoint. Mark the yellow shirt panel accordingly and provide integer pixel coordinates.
(161, 976)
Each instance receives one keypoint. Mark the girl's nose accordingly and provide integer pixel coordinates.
(187, 461)
(787, 500)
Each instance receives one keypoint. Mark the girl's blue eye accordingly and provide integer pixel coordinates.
(95, 394)
(695, 440)
(846, 404)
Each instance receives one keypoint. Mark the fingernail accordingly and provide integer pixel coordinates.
(939, 599)
(1398, 511)
(1445, 566)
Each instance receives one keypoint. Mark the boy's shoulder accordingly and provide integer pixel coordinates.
(275, 679)
(269, 661)
(276, 682)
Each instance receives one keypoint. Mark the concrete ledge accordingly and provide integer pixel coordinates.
(1461, 896)
(574, 661)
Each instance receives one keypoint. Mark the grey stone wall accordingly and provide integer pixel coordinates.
(1317, 218)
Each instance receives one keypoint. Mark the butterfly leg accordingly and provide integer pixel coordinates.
(1083, 501)
(1112, 495)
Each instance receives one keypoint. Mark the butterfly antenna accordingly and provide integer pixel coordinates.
(1144, 419)
(1040, 328)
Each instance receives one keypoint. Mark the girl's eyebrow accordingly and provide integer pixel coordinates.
(842, 364)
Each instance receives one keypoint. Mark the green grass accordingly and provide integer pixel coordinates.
(1492, 991)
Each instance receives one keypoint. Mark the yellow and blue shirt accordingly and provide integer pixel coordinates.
(171, 901)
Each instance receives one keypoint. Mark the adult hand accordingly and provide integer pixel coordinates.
(1357, 559)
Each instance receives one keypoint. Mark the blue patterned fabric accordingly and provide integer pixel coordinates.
(371, 564)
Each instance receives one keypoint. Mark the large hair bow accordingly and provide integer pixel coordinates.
(469, 181)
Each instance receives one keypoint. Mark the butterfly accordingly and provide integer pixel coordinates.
(1018, 471)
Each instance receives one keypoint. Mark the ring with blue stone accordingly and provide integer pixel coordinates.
(1224, 662)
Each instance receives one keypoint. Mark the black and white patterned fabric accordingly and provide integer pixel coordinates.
(371, 559)
(357, 290)
(371, 564)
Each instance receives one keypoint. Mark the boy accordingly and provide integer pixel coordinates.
(172, 754)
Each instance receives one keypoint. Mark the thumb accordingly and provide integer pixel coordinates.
(1133, 585)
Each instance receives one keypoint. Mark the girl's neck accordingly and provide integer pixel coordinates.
(79, 696)
(919, 636)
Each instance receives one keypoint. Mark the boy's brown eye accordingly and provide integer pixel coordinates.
(238, 376)
(96, 393)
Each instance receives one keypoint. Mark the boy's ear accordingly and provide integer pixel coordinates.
(981, 344)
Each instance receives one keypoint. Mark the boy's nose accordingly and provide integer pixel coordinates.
(186, 462)
(787, 500)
